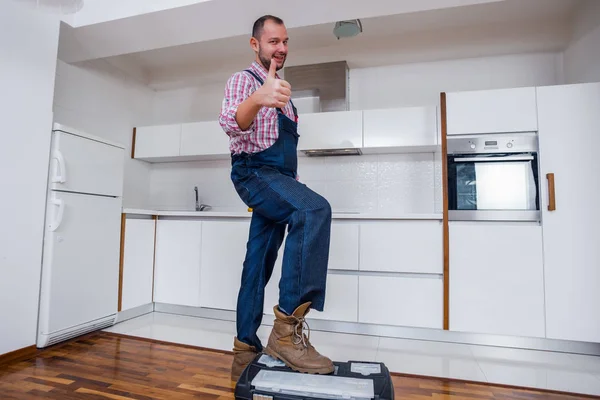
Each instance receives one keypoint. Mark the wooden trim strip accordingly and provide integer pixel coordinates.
(133, 137)
(155, 217)
(445, 229)
(551, 192)
(122, 260)
(19, 355)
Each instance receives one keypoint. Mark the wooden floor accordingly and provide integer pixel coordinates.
(109, 366)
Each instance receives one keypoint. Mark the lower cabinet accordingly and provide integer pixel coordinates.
(177, 262)
(497, 278)
(138, 262)
(341, 297)
(222, 256)
(402, 246)
(401, 301)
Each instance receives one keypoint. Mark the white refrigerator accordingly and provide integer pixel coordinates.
(80, 266)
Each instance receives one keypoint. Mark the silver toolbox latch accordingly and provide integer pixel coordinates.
(261, 397)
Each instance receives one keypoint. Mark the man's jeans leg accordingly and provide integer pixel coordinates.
(264, 240)
(281, 198)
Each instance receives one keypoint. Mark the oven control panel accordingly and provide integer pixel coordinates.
(493, 143)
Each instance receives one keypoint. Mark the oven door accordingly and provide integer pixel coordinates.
(493, 187)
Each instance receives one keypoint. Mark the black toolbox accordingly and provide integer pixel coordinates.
(268, 379)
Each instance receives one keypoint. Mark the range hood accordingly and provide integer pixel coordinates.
(322, 88)
(332, 152)
(328, 81)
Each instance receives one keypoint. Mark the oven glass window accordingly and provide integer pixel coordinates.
(495, 186)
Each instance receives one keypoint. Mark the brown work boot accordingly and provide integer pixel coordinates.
(289, 344)
(243, 354)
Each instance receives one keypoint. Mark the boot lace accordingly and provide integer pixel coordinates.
(299, 336)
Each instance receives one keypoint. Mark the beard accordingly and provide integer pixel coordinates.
(265, 59)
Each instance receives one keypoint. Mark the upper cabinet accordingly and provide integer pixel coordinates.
(203, 138)
(400, 127)
(157, 141)
(394, 130)
(196, 140)
(330, 130)
(492, 111)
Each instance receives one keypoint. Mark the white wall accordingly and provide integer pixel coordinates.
(383, 183)
(582, 56)
(421, 84)
(103, 102)
(28, 49)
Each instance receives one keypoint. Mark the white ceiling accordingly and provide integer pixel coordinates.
(505, 27)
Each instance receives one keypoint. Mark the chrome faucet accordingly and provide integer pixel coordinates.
(199, 207)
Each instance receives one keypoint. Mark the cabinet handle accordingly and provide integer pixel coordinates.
(551, 192)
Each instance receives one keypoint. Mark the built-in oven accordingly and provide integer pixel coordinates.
(493, 177)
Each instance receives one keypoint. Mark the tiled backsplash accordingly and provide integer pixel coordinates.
(385, 183)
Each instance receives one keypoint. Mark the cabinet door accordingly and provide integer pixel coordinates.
(138, 263)
(397, 246)
(177, 263)
(341, 296)
(496, 278)
(491, 111)
(399, 127)
(341, 299)
(157, 141)
(203, 138)
(223, 253)
(343, 248)
(401, 301)
(330, 130)
(569, 138)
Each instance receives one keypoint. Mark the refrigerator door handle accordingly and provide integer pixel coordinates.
(57, 155)
(61, 209)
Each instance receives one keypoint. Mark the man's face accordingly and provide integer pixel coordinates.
(273, 44)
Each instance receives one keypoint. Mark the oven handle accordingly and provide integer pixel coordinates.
(504, 158)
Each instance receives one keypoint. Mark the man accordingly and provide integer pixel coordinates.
(261, 121)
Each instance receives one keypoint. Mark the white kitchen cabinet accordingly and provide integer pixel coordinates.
(157, 141)
(491, 111)
(222, 259)
(496, 278)
(341, 299)
(330, 130)
(138, 263)
(402, 301)
(177, 262)
(343, 247)
(203, 138)
(402, 246)
(400, 127)
(341, 296)
(569, 120)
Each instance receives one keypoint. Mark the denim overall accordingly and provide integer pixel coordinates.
(266, 182)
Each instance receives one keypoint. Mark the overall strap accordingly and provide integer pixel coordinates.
(262, 83)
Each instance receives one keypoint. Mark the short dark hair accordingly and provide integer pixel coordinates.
(259, 24)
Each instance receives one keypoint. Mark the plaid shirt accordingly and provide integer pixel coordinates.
(263, 131)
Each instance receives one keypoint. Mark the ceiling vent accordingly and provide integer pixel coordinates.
(345, 29)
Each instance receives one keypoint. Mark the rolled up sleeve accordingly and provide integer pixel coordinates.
(238, 89)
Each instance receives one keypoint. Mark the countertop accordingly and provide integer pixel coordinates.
(225, 213)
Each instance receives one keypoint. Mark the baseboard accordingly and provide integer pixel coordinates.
(19, 355)
(404, 332)
(134, 312)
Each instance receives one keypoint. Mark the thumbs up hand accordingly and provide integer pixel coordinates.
(275, 92)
